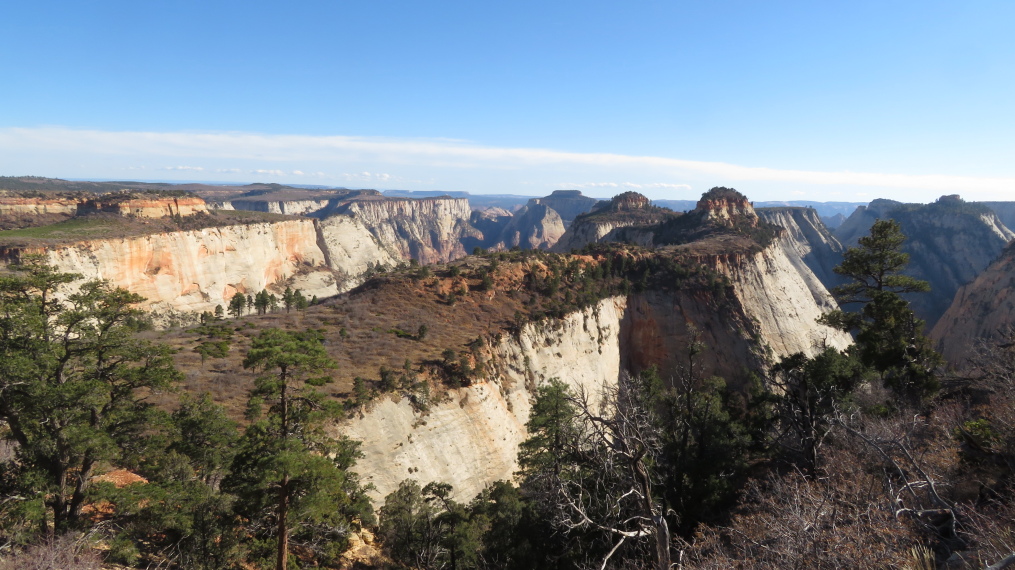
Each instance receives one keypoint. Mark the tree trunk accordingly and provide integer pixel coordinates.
(283, 531)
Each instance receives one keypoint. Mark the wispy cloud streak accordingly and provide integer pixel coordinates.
(445, 154)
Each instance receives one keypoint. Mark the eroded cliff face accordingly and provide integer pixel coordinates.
(534, 226)
(10, 206)
(472, 439)
(288, 207)
(350, 249)
(983, 309)
(1005, 212)
(584, 232)
(193, 271)
(428, 230)
(569, 204)
(807, 242)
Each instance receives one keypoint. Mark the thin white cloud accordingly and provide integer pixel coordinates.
(367, 176)
(191, 168)
(228, 170)
(268, 172)
(446, 154)
(627, 185)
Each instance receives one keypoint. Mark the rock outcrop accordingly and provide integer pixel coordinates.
(807, 242)
(983, 309)
(538, 225)
(1005, 211)
(472, 438)
(351, 250)
(288, 207)
(626, 210)
(429, 230)
(14, 206)
(569, 204)
(140, 206)
(534, 226)
(949, 243)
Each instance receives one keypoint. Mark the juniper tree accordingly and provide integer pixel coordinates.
(71, 376)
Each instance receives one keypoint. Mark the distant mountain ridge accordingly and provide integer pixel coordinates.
(950, 242)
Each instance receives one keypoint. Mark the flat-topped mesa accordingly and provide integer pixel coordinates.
(726, 206)
(141, 206)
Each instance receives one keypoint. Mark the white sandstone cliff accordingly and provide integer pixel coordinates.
(472, 440)
(193, 271)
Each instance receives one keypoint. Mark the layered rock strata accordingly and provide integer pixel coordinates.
(807, 242)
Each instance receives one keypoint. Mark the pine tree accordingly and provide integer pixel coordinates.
(237, 304)
(288, 470)
(889, 336)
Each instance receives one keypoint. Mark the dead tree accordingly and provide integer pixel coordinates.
(607, 485)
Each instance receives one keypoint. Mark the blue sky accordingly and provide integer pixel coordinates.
(782, 100)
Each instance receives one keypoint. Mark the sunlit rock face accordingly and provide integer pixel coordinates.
(471, 440)
(534, 226)
(983, 309)
(193, 271)
(807, 242)
(12, 206)
(1005, 211)
(727, 210)
(429, 230)
(626, 210)
(144, 207)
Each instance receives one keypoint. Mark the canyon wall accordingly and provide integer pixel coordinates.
(289, 207)
(472, 438)
(193, 271)
(807, 242)
(428, 230)
(949, 243)
(534, 226)
(10, 206)
(569, 204)
(143, 207)
(1005, 212)
(350, 249)
(983, 309)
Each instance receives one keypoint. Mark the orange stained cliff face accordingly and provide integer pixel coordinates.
(145, 207)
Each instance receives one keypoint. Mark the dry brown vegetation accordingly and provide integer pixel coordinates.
(360, 329)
